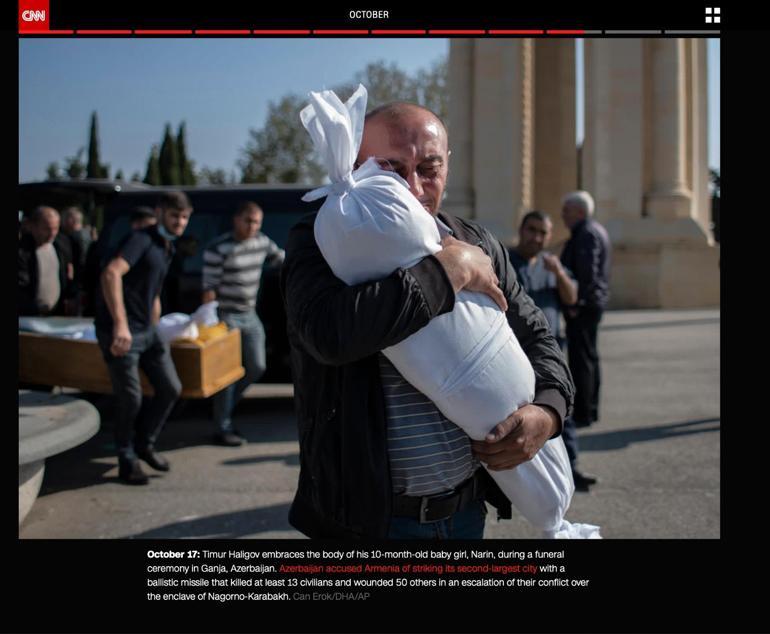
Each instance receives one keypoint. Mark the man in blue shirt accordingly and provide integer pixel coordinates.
(551, 286)
(127, 312)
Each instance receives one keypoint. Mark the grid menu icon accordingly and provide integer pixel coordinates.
(713, 15)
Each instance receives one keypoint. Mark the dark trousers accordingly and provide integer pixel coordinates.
(569, 436)
(584, 362)
(139, 421)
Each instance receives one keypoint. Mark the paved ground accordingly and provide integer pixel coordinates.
(656, 451)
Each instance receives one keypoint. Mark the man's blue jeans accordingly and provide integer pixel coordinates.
(465, 524)
(139, 421)
(253, 359)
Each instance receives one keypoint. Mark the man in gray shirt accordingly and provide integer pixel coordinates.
(552, 287)
(232, 270)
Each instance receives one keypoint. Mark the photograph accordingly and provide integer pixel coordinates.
(167, 180)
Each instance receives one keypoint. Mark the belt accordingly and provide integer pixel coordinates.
(434, 508)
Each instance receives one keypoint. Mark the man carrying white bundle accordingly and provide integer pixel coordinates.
(377, 458)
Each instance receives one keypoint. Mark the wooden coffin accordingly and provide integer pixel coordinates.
(203, 369)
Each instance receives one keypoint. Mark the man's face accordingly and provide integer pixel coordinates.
(46, 229)
(247, 224)
(175, 220)
(572, 215)
(534, 236)
(416, 149)
(73, 223)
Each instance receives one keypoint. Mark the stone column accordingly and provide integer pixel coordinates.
(555, 150)
(643, 160)
(502, 133)
(669, 196)
(459, 193)
(697, 133)
(614, 147)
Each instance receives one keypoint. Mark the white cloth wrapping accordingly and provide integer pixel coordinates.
(60, 327)
(182, 326)
(206, 314)
(468, 362)
(177, 326)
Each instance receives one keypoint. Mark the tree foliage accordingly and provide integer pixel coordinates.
(186, 167)
(152, 174)
(169, 160)
(94, 168)
(74, 167)
(282, 151)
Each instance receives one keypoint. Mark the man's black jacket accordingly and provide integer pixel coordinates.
(29, 278)
(587, 255)
(336, 331)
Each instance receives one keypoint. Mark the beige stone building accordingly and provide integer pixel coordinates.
(512, 134)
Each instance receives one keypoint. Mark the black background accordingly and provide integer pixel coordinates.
(639, 585)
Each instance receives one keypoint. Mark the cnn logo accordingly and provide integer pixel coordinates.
(33, 16)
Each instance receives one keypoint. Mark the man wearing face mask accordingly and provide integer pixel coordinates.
(127, 312)
(377, 458)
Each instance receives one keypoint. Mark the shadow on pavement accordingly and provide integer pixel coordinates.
(661, 324)
(608, 441)
(224, 526)
(259, 420)
(291, 459)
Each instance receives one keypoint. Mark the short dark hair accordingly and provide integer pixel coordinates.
(245, 206)
(174, 200)
(141, 212)
(535, 214)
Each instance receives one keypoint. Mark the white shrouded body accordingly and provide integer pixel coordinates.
(467, 362)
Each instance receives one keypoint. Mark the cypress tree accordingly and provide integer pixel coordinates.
(94, 168)
(187, 172)
(152, 177)
(169, 160)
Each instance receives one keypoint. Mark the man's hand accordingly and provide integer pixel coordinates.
(121, 340)
(518, 438)
(551, 262)
(469, 268)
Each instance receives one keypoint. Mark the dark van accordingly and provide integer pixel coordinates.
(213, 209)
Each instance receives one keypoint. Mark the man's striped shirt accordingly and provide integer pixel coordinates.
(428, 453)
(233, 269)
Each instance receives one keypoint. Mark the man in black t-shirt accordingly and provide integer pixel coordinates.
(127, 312)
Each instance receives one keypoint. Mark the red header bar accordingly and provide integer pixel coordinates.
(220, 32)
(558, 32)
(508, 32)
(283, 32)
(334, 32)
(394, 32)
(456, 32)
(92, 32)
(181, 32)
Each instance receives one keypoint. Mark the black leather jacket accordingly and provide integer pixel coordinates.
(335, 332)
(587, 255)
(29, 278)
